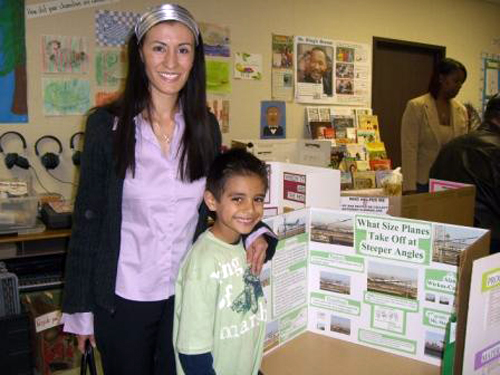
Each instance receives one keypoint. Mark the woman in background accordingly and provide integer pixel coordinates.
(430, 121)
(139, 201)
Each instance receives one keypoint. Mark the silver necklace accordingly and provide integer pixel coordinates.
(163, 137)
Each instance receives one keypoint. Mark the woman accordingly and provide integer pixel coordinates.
(430, 121)
(138, 207)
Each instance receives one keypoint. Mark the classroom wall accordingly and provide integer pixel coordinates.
(465, 27)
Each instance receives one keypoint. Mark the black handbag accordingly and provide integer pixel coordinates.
(88, 360)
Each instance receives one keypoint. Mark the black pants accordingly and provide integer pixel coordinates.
(137, 338)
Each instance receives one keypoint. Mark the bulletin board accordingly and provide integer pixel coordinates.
(490, 77)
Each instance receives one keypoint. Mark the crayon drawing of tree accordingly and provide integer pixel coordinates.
(13, 101)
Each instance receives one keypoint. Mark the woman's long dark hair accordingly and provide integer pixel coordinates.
(443, 68)
(197, 144)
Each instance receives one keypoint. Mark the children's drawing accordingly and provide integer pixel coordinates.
(13, 101)
(110, 67)
(63, 97)
(216, 39)
(114, 28)
(64, 54)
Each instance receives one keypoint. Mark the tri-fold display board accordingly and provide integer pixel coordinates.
(375, 280)
(482, 344)
(301, 151)
(294, 186)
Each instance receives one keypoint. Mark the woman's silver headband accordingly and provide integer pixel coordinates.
(166, 12)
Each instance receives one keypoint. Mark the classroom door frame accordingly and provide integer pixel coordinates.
(397, 70)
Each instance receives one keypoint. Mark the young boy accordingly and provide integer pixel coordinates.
(220, 313)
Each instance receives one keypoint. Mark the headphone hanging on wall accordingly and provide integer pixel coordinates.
(13, 158)
(76, 154)
(49, 160)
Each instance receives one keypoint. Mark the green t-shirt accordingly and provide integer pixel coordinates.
(219, 307)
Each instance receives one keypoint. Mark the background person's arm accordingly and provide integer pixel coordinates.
(410, 130)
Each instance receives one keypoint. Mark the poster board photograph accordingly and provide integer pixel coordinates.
(352, 73)
(314, 76)
(282, 67)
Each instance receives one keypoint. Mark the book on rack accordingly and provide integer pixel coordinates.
(350, 165)
(338, 154)
(380, 164)
(361, 111)
(369, 122)
(376, 150)
(312, 114)
(362, 165)
(357, 151)
(317, 114)
(345, 181)
(329, 133)
(363, 180)
(345, 129)
(366, 136)
(321, 130)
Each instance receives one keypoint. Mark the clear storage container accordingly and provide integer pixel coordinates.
(18, 213)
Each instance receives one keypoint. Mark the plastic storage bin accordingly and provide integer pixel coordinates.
(18, 213)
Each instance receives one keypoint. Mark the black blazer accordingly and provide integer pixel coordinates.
(92, 259)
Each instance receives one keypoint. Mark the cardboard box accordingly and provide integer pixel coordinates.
(448, 206)
(54, 350)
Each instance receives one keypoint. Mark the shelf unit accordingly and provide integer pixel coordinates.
(34, 244)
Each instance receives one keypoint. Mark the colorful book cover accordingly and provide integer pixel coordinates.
(369, 122)
(380, 164)
(364, 180)
(337, 155)
(357, 151)
(350, 165)
(366, 136)
(376, 150)
(362, 165)
(361, 111)
(341, 124)
(321, 130)
(317, 114)
(329, 133)
(345, 181)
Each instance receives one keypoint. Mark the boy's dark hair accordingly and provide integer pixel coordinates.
(235, 162)
(444, 67)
